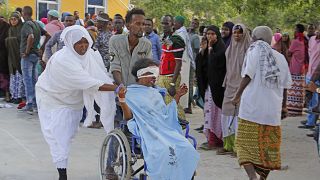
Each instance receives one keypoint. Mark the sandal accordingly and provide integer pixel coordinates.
(223, 151)
(207, 147)
(234, 155)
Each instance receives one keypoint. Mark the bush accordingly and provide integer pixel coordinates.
(5, 11)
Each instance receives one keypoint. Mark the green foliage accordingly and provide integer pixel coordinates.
(273, 13)
(5, 11)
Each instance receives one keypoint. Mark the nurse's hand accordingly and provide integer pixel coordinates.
(122, 92)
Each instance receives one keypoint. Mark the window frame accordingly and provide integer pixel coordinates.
(96, 7)
(55, 2)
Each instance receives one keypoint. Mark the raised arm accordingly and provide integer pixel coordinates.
(108, 87)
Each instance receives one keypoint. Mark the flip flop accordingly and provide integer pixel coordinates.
(206, 147)
(234, 155)
(223, 151)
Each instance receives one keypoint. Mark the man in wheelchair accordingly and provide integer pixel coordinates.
(167, 153)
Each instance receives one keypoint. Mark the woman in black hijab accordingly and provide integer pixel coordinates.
(4, 70)
(226, 32)
(210, 72)
(13, 44)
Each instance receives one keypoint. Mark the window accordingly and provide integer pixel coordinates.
(95, 6)
(43, 6)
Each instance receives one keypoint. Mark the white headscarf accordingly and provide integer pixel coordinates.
(66, 71)
(71, 35)
(269, 69)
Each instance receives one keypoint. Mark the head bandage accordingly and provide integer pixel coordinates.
(154, 70)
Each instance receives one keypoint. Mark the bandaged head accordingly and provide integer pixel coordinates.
(154, 70)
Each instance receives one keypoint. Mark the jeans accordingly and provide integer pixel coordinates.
(29, 74)
(311, 118)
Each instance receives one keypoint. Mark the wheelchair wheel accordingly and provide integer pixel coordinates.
(115, 157)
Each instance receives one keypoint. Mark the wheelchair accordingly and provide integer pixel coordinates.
(121, 157)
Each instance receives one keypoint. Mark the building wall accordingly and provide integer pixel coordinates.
(71, 5)
(20, 3)
(113, 6)
(117, 7)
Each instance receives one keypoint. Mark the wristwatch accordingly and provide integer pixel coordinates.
(318, 90)
(172, 84)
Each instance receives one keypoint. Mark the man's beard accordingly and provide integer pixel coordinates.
(139, 34)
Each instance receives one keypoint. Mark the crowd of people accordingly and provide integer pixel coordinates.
(102, 71)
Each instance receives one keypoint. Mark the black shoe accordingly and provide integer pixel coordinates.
(310, 135)
(304, 122)
(62, 173)
(199, 128)
(306, 127)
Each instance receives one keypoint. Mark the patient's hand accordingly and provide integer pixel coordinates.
(183, 89)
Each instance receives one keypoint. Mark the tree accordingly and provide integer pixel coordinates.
(273, 13)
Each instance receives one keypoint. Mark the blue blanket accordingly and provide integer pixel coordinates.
(168, 154)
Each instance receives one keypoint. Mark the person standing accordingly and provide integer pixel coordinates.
(101, 44)
(118, 24)
(314, 54)
(298, 52)
(126, 49)
(77, 18)
(75, 76)
(285, 45)
(92, 29)
(195, 45)
(235, 54)
(55, 39)
(4, 70)
(30, 53)
(265, 74)
(12, 44)
(154, 39)
(54, 25)
(102, 41)
(63, 15)
(86, 18)
(171, 61)
(226, 32)
(277, 42)
(311, 31)
(187, 57)
(210, 73)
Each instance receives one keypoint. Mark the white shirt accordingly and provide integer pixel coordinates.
(260, 104)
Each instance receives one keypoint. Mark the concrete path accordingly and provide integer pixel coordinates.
(24, 154)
